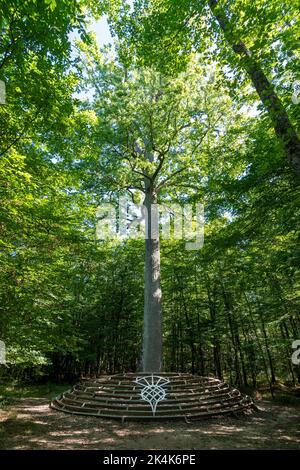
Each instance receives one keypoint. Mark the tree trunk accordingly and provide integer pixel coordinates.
(268, 351)
(189, 325)
(152, 338)
(216, 340)
(200, 355)
(254, 324)
(286, 340)
(234, 332)
(280, 120)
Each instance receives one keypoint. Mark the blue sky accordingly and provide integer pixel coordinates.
(101, 29)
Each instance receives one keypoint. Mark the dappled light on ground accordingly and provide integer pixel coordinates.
(31, 424)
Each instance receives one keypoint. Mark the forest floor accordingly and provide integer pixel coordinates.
(27, 422)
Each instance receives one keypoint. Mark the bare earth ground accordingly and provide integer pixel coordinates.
(31, 424)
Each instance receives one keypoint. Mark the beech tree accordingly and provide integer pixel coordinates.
(154, 134)
(164, 126)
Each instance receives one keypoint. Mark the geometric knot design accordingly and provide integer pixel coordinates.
(153, 389)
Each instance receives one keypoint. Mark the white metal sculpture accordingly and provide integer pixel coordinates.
(153, 390)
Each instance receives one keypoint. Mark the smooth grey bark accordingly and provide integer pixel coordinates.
(279, 117)
(152, 337)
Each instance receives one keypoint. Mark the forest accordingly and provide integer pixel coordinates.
(188, 104)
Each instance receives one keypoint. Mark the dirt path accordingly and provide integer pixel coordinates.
(31, 424)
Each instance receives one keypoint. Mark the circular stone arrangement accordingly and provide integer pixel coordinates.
(153, 396)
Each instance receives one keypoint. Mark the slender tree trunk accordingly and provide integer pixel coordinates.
(189, 325)
(294, 327)
(251, 356)
(280, 120)
(182, 363)
(173, 348)
(116, 345)
(242, 358)
(152, 339)
(285, 337)
(216, 339)
(234, 332)
(201, 356)
(254, 323)
(273, 376)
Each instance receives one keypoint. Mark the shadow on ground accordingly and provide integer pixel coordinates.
(31, 424)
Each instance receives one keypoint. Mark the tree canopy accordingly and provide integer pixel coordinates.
(193, 104)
